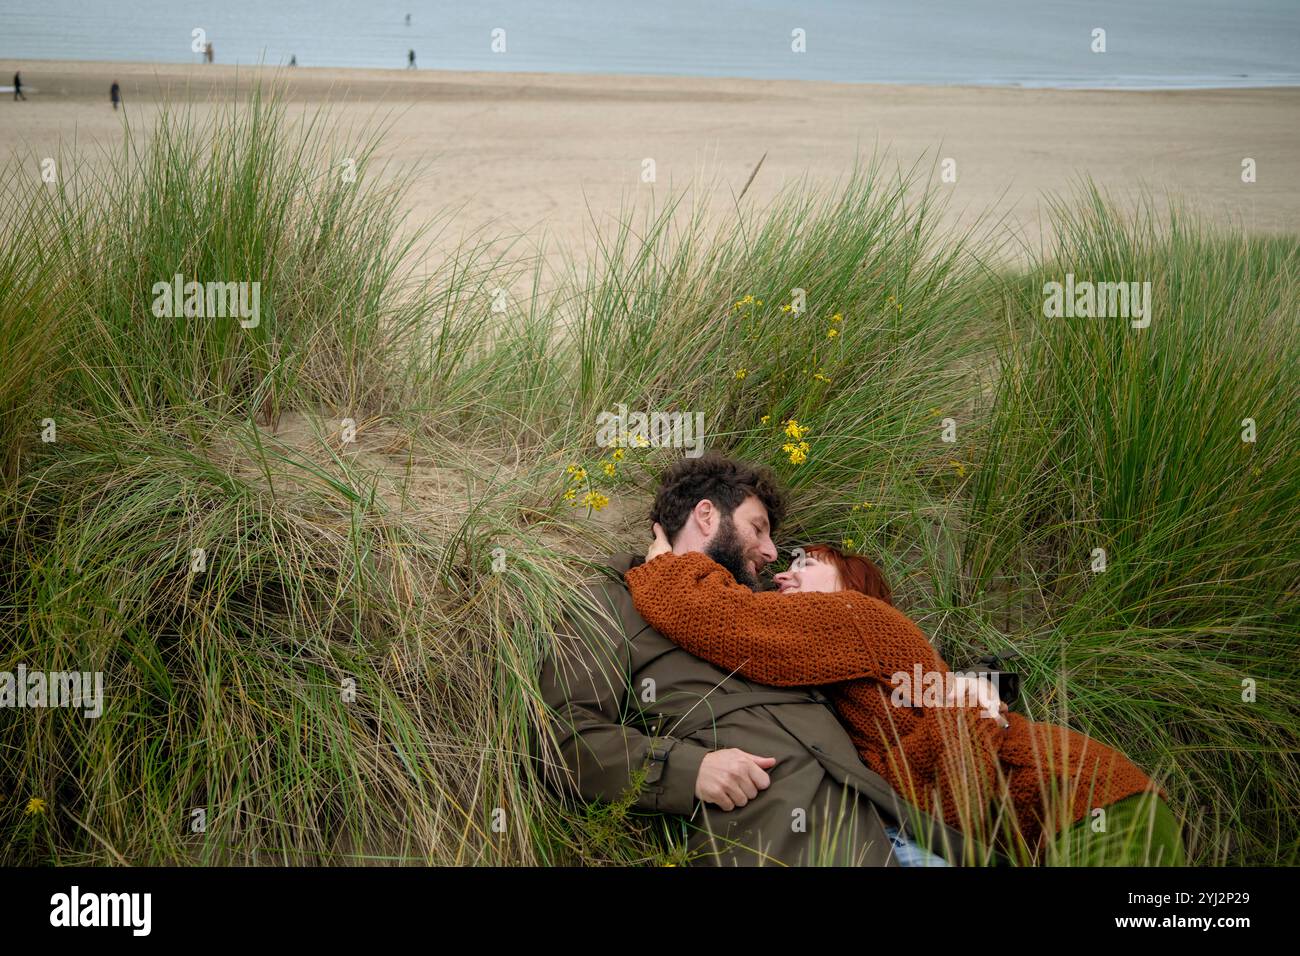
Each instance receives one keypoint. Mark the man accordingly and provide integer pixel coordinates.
(115, 94)
(757, 775)
(18, 87)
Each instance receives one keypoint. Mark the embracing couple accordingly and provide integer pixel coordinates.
(777, 726)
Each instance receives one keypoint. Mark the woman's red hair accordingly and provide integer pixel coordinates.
(856, 572)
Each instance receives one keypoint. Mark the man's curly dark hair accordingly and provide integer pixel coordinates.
(724, 481)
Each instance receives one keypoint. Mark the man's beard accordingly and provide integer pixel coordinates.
(726, 549)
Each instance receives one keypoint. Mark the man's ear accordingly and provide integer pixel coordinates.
(705, 517)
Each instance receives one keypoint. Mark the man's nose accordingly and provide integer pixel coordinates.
(767, 549)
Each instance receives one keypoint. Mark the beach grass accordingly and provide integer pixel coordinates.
(318, 559)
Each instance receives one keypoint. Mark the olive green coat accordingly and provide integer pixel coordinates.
(623, 697)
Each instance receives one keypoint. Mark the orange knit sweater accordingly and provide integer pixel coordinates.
(856, 644)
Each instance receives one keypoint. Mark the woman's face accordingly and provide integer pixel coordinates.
(808, 573)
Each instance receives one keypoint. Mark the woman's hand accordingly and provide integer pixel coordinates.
(982, 690)
(660, 544)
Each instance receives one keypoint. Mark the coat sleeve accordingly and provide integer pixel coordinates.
(584, 683)
(783, 640)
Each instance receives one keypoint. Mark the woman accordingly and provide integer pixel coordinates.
(867, 653)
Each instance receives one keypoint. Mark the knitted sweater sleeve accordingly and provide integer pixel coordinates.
(804, 639)
(790, 640)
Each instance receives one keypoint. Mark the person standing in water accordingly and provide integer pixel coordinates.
(18, 87)
(115, 94)
(410, 59)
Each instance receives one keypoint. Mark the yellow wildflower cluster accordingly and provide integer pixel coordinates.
(741, 373)
(578, 477)
(847, 544)
(821, 377)
(798, 452)
(866, 505)
(594, 499)
(961, 468)
(748, 300)
(834, 329)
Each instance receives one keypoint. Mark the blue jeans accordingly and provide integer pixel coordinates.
(909, 853)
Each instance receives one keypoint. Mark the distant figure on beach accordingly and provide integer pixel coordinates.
(18, 85)
(115, 94)
(293, 59)
(410, 59)
(208, 55)
(408, 19)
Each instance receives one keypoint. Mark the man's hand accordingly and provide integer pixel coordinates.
(660, 544)
(731, 778)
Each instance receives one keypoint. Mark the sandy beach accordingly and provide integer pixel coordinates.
(548, 154)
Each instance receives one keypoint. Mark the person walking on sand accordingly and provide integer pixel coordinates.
(18, 87)
(410, 59)
(115, 94)
(208, 54)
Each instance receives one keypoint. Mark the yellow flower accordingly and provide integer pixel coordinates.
(741, 373)
(798, 453)
(936, 412)
(617, 454)
(570, 494)
(820, 377)
(961, 469)
(610, 468)
(837, 317)
(795, 430)
(787, 307)
(641, 440)
(765, 419)
(594, 499)
(831, 333)
(35, 805)
(577, 474)
(847, 543)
